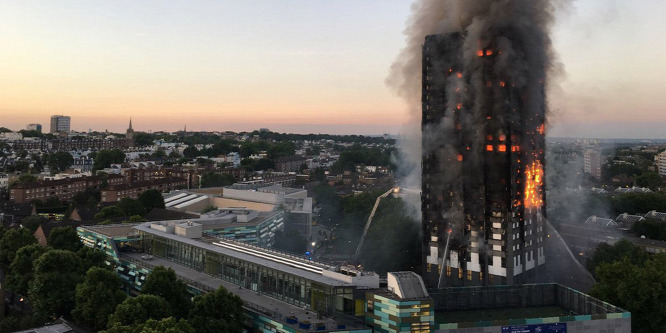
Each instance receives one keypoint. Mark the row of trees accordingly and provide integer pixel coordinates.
(69, 280)
(634, 280)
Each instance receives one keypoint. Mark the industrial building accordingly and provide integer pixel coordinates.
(482, 170)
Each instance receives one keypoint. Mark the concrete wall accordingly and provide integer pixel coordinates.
(256, 196)
(619, 325)
(226, 202)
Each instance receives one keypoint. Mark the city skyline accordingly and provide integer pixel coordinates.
(314, 67)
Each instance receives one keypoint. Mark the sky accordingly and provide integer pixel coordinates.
(315, 66)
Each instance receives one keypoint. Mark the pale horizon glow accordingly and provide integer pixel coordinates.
(293, 66)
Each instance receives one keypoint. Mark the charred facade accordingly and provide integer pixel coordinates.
(483, 161)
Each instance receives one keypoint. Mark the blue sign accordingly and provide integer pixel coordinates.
(307, 253)
(539, 328)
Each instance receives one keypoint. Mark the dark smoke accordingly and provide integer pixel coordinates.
(520, 28)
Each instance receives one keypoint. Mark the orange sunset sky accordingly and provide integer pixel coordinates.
(293, 66)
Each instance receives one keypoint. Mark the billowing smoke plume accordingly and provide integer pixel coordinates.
(519, 28)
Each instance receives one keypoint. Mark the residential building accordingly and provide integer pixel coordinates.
(593, 161)
(289, 163)
(133, 190)
(661, 163)
(60, 123)
(63, 189)
(482, 169)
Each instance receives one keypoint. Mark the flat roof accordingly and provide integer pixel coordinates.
(145, 227)
(115, 230)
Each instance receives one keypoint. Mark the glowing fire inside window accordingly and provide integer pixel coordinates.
(501, 147)
(489, 147)
(502, 83)
(489, 52)
(460, 158)
(489, 137)
(479, 53)
(533, 185)
(459, 106)
(502, 137)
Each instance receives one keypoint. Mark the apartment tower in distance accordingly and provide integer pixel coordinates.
(59, 124)
(483, 161)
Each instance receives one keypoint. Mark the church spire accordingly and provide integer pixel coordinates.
(130, 126)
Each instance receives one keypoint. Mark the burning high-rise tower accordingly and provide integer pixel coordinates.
(483, 113)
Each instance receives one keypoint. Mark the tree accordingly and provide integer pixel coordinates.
(88, 198)
(302, 168)
(264, 164)
(218, 311)
(319, 174)
(60, 161)
(166, 325)
(92, 258)
(151, 199)
(136, 310)
(143, 139)
(20, 271)
(131, 207)
(638, 288)
(610, 253)
(212, 179)
(12, 241)
(52, 289)
(64, 238)
(108, 212)
(190, 152)
(104, 158)
(650, 179)
(97, 297)
(32, 223)
(163, 282)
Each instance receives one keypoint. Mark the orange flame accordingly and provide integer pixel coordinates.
(541, 129)
(533, 185)
(479, 53)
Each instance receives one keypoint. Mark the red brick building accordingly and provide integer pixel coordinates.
(115, 193)
(63, 189)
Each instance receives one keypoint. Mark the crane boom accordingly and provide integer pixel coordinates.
(367, 224)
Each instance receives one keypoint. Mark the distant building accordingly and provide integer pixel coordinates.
(60, 124)
(34, 127)
(289, 163)
(661, 163)
(593, 163)
(129, 135)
